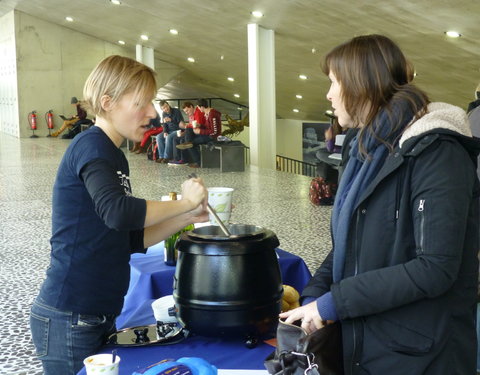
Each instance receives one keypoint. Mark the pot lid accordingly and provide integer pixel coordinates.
(238, 232)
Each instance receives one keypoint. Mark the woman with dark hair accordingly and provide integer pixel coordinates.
(402, 275)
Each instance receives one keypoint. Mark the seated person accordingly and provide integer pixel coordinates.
(172, 122)
(203, 134)
(74, 121)
(155, 128)
(195, 118)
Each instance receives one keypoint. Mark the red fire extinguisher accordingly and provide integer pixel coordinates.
(49, 120)
(32, 120)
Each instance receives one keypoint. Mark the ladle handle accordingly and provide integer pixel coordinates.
(214, 213)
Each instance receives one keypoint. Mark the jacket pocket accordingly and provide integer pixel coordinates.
(398, 338)
(420, 225)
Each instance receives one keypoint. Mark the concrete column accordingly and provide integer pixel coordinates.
(261, 92)
(145, 55)
(148, 58)
(139, 53)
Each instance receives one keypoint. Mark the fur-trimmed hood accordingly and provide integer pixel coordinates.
(439, 116)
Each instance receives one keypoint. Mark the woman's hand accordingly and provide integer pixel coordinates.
(308, 314)
(194, 190)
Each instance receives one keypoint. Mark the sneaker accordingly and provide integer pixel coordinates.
(184, 146)
(193, 165)
(176, 162)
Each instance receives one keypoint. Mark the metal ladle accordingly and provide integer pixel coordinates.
(214, 213)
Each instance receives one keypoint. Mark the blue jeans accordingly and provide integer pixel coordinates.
(165, 145)
(63, 339)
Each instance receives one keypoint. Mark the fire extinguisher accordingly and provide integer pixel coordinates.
(49, 120)
(32, 120)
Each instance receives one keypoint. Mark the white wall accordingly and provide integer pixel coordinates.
(8, 77)
(289, 137)
(52, 64)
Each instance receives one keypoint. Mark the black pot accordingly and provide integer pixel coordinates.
(228, 285)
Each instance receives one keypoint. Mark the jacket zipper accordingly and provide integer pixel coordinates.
(421, 209)
(355, 273)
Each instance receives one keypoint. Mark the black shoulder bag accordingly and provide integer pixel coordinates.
(299, 353)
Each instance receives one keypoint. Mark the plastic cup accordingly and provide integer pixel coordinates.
(179, 133)
(101, 364)
(220, 199)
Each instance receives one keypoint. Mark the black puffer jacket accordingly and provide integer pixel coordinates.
(408, 298)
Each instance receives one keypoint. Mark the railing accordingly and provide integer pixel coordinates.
(295, 166)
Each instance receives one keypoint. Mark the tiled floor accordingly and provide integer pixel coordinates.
(275, 200)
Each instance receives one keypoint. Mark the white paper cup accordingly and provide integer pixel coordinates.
(101, 364)
(179, 133)
(220, 199)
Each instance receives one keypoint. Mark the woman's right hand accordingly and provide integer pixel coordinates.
(195, 191)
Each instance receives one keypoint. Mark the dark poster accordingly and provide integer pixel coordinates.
(313, 140)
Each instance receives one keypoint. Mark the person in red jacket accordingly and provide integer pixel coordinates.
(203, 133)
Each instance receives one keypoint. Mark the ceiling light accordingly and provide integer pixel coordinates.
(222, 57)
(116, 2)
(173, 31)
(302, 76)
(257, 14)
(298, 96)
(329, 112)
(191, 59)
(240, 108)
(236, 95)
(121, 42)
(69, 19)
(143, 37)
(314, 50)
(296, 110)
(453, 34)
(231, 79)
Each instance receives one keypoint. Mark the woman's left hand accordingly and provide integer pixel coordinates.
(308, 314)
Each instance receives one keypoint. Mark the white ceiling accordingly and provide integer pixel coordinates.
(448, 69)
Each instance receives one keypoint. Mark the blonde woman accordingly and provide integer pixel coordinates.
(97, 222)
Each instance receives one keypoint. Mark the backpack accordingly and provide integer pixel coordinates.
(322, 193)
(152, 151)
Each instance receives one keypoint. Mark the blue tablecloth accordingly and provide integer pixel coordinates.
(152, 279)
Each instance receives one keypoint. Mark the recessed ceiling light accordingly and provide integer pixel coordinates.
(222, 57)
(314, 50)
(231, 79)
(296, 110)
(236, 95)
(116, 2)
(453, 34)
(121, 42)
(257, 14)
(298, 96)
(329, 112)
(191, 59)
(69, 19)
(144, 37)
(173, 31)
(302, 76)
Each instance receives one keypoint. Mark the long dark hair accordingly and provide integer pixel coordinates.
(373, 73)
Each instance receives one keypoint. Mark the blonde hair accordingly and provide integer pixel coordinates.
(116, 76)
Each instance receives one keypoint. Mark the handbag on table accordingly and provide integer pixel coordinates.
(299, 353)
